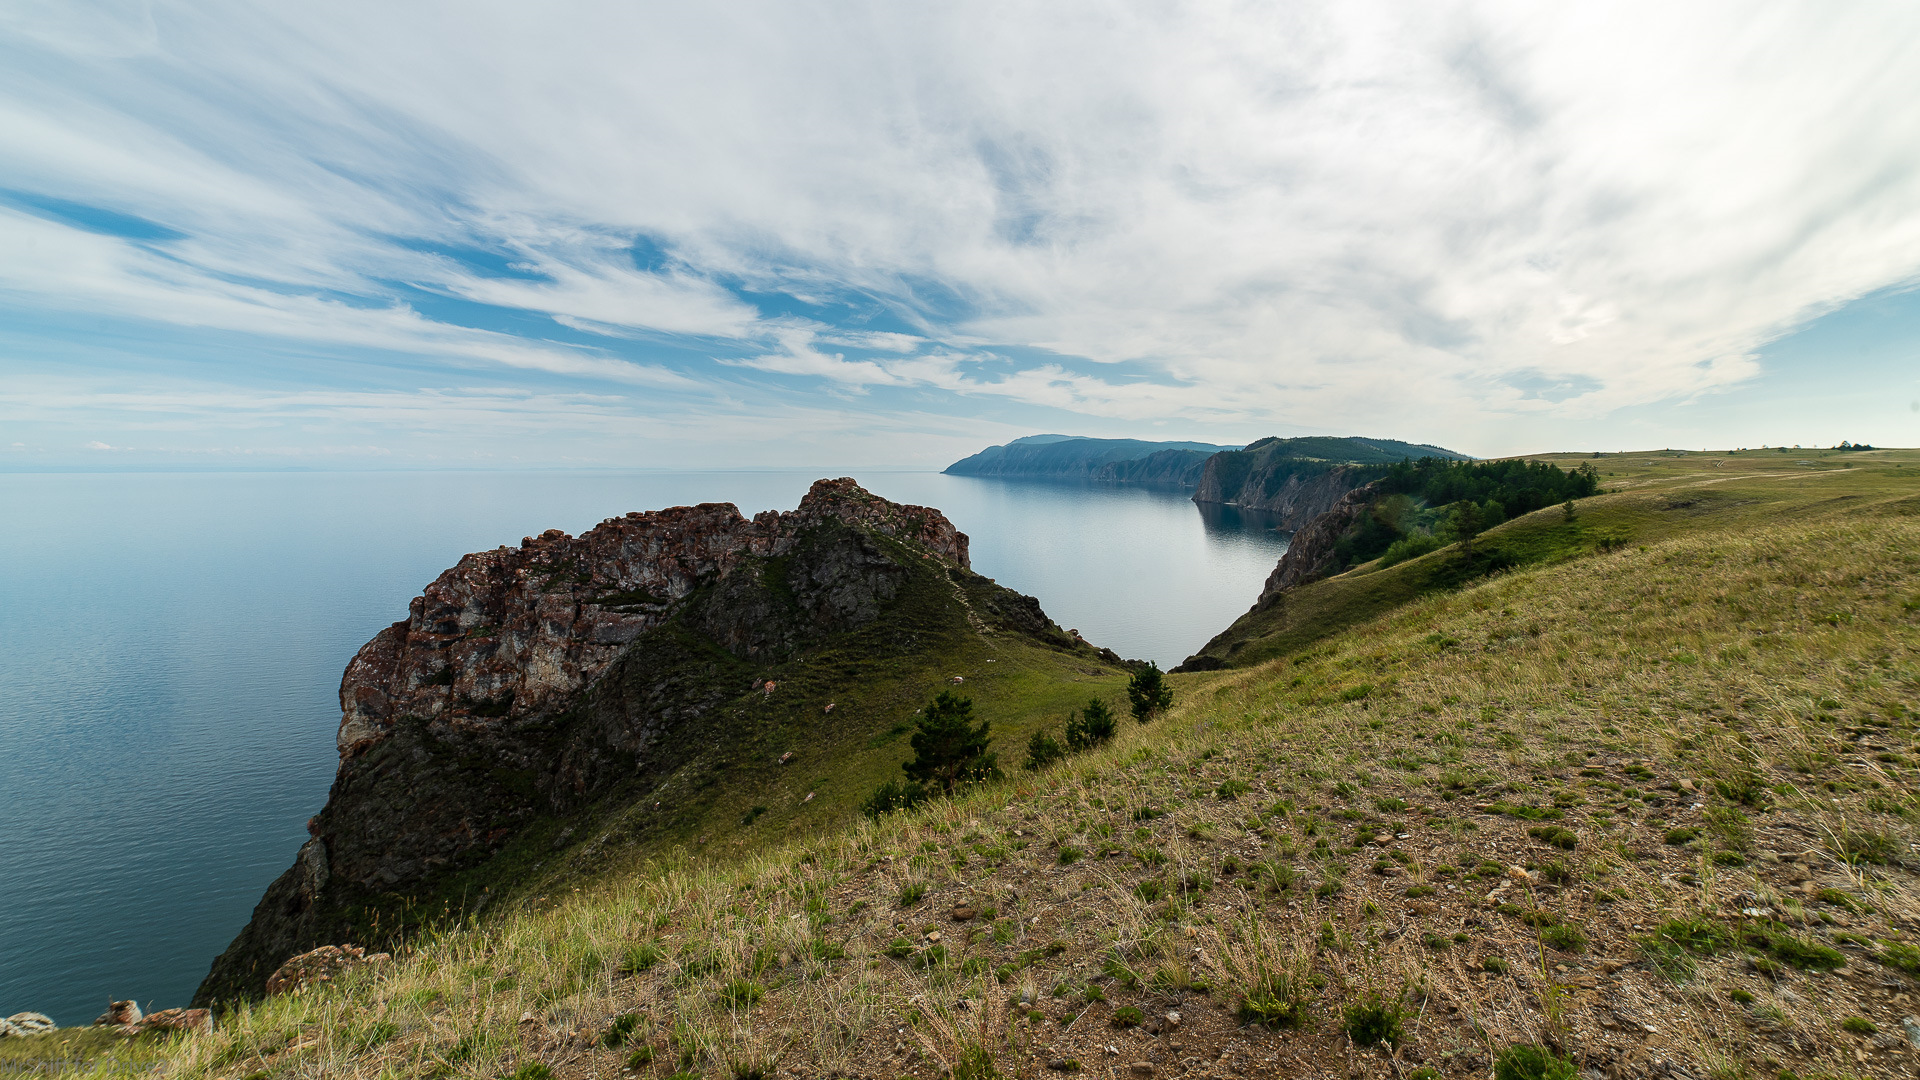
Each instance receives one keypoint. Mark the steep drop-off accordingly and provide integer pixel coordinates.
(1300, 479)
(552, 704)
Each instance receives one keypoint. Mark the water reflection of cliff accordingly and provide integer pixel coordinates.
(1223, 522)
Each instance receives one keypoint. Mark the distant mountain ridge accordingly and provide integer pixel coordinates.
(1071, 457)
(1297, 479)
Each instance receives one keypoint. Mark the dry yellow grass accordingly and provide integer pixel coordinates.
(1369, 823)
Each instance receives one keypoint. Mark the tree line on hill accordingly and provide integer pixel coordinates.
(1420, 506)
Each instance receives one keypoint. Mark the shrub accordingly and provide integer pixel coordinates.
(1043, 750)
(1680, 836)
(893, 795)
(1409, 547)
(1232, 789)
(1148, 693)
(911, 892)
(1373, 1020)
(1069, 854)
(1524, 1061)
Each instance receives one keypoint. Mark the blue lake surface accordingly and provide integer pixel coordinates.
(171, 648)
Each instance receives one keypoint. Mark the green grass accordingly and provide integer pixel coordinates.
(1580, 688)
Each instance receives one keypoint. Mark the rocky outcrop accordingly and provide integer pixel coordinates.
(1293, 490)
(119, 1014)
(321, 965)
(621, 672)
(1311, 554)
(25, 1023)
(511, 632)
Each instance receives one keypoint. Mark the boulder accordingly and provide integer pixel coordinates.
(190, 1020)
(119, 1014)
(26, 1023)
(320, 965)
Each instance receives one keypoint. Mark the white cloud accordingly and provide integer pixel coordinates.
(1436, 220)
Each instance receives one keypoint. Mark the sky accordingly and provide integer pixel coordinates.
(787, 233)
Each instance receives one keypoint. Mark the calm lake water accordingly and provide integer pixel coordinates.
(171, 648)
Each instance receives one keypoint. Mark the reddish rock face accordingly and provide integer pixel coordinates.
(510, 632)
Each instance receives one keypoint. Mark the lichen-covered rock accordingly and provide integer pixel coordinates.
(26, 1023)
(119, 1014)
(319, 965)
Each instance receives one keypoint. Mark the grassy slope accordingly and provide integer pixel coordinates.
(1651, 496)
(1343, 816)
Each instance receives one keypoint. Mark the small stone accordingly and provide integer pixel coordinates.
(1911, 1025)
(1141, 1068)
(933, 935)
(1173, 1018)
(963, 913)
(1383, 838)
(1064, 1065)
(526, 1017)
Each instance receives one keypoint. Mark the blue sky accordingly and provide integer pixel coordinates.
(794, 234)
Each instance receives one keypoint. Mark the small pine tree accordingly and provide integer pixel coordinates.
(1148, 693)
(948, 749)
(1091, 727)
(1043, 750)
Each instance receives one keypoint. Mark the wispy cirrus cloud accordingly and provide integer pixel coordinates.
(1475, 222)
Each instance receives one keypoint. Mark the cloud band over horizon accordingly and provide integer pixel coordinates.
(485, 234)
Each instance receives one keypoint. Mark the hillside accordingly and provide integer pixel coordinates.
(1299, 479)
(1117, 461)
(682, 677)
(1645, 804)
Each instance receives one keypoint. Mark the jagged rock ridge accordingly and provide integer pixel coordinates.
(612, 676)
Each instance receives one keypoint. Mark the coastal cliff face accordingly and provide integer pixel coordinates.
(1310, 555)
(618, 674)
(1296, 492)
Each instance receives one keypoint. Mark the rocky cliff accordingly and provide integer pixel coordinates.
(618, 676)
(1300, 479)
(1310, 556)
(1296, 492)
